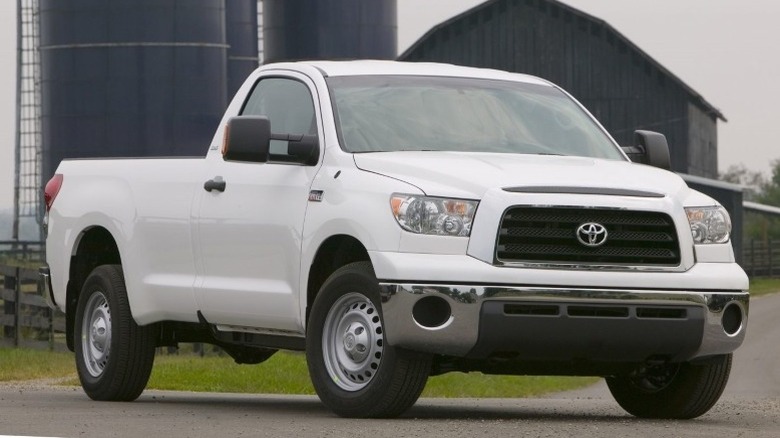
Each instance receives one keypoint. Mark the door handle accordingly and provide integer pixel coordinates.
(217, 184)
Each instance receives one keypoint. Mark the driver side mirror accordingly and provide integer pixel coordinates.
(247, 138)
(652, 149)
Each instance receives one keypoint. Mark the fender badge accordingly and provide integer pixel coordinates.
(315, 196)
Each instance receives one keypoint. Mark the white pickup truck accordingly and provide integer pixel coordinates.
(395, 221)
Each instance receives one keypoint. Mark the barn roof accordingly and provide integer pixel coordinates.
(693, 94)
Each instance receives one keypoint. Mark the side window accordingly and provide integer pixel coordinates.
(288, 105)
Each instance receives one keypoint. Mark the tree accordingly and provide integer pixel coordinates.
(752, 181)
(770, 190)
(757, 188)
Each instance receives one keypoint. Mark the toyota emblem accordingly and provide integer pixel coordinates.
(592, 234)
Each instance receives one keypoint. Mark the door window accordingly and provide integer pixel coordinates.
(288, 105)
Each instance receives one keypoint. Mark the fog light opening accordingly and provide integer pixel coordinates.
(732, 319)
(431, 312)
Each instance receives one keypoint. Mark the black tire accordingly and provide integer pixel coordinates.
(114, 356)
(353, 371)
(674, 391)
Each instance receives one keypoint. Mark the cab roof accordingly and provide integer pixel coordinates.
(397, 68)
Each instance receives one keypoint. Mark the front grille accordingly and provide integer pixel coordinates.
(549, 235)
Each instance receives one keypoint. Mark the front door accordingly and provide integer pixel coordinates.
(248, 237)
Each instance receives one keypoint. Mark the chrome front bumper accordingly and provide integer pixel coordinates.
(617, 314)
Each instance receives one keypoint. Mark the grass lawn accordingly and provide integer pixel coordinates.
(284, 373)
(23, 364)
(764, 286)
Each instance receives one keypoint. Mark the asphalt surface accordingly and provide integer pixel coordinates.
(750, 407)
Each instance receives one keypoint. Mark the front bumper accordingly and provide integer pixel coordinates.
(563, 323)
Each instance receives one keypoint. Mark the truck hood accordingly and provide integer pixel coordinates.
(470, 175)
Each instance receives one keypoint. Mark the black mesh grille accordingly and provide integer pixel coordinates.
(549, 235)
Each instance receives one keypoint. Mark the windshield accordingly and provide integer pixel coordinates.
(424, 113)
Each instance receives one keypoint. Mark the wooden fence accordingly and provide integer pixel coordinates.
(26, 320)
(24, 250)
(761, 258)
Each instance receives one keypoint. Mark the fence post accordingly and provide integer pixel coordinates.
(769, 249)
(14, 307)
(752, 258)
(17, 308)
(9, 307)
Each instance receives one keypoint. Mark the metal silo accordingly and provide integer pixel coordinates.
(329, 29)
(241, 27)
(130, 77)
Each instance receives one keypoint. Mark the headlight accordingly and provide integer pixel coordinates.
(427, 215)
(709, 224)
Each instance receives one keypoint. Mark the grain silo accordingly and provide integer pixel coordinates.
(329, 29)
(130, 77)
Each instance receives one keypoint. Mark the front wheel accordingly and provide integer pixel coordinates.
(354, 371)
(114, 356)
(677, 391)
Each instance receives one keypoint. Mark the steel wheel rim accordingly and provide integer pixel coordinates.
(352, 342)
(96, 334)
(654, 378)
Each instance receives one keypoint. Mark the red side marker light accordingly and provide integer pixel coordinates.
(51, 190)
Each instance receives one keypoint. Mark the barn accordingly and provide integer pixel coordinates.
(620, 84)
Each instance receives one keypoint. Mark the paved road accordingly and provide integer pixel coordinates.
(749, 408)
(756, 369)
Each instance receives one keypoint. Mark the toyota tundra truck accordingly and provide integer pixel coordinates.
(397, 221)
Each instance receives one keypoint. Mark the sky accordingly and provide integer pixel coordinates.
(724, 49)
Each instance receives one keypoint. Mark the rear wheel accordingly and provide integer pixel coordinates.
(354, 371)
(114, 355)
(679, 391)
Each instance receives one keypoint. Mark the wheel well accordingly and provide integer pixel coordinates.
(96, 247)
(334, 253)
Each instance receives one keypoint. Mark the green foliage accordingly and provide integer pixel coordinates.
(766, 227)
(759, 189)
(752, 181)
(758, 226)
(770, 193)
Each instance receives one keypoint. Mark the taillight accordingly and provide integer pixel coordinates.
(51, 190)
